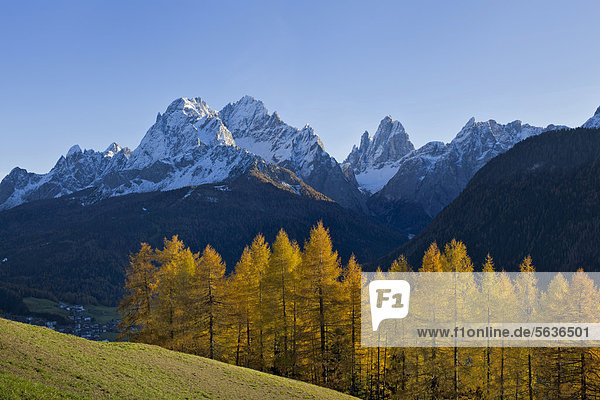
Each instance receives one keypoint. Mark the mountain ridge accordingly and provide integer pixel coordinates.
(538, 198)
(436, 173)
(192, 144)
(188, 144)
(76, 251)
(299, 150)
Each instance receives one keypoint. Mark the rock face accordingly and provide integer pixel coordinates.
(376, 160)
(299, 150)
(190, 144)
(436, 173)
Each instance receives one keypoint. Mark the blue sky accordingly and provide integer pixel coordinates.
(93, 72)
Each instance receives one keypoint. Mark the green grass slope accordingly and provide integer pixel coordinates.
(38, 363)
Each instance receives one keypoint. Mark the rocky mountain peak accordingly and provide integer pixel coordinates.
(373, 162)
(266, 135)
(299, 150)
(594, 121)
(115, 149)
(247, 116)
(186, 125)
(73, 151)
(364, 140)
(388, 127)
(194, 107)
(389, 144)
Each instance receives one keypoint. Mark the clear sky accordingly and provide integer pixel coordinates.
(94, 72)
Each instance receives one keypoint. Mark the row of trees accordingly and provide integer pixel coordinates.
(296, 312)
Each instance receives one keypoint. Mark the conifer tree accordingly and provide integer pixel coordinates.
(488, 284)
(260, 254)
(321, 290)
(553, 310)
(455, 259)
(136, 308)
(248, 290)
(209, 286)
(400, 265)
(241, 288)
(352, 286)
(280, 287)
(528, 297)
(432, 260)
(584, 305)
(435, 364)
(175, 278)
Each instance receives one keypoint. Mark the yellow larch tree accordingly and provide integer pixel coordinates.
(321, 291)
(280, 283)
(137, 306)
(208, 296)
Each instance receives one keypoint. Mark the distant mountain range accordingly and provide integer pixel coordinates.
(540, 198)
(192, 144)
(435, 174)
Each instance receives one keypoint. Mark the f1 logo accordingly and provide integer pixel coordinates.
(389, 300)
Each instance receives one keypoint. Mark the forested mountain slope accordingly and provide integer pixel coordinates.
(59, 248)
(541, 198)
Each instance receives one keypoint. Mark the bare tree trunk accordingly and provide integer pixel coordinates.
(456, 372)
(488, 363)
(502, 374)
(529, 375)
(247, 340)
(211, 325)
(352, 367)
(322, 331)
(559, 372)
(239, 340)
(403, 381)
(583, 380)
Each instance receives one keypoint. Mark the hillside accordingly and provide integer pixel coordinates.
(541, 198)
(61, 249)
(37, 363)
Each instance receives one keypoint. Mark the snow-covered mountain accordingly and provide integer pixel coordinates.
(436, 173)
(190, 145)
(377, 158)
(73, 172)
(187, 145)
(299, 150)
(594, 121)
